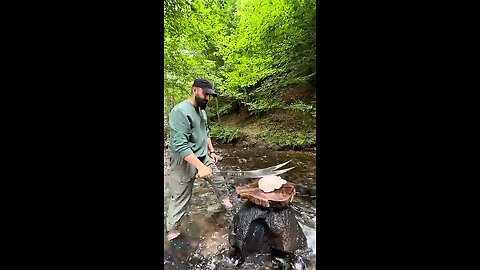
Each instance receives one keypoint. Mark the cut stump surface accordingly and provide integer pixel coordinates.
(277, 198)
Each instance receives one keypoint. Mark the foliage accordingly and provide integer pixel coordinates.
(224, 109)
(250, 49)
(225, 134)
(273, 39)
(302, 107)
(284, 139)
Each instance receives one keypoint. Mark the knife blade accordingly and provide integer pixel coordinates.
(256, 173)
(252, 174)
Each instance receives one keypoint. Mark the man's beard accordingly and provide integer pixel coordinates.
(202, 103)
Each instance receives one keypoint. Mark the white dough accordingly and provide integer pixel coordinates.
(270, 183)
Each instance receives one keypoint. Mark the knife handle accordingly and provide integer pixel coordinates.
(211, 174)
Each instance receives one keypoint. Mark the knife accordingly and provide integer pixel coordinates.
(255, 173)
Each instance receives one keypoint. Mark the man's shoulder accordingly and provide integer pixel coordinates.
(182, 106)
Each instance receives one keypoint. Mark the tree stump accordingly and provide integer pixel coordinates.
(266, 224)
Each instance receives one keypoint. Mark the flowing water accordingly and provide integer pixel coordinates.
(204, 244)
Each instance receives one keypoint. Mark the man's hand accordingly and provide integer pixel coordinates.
(204, 172)
(215, 157)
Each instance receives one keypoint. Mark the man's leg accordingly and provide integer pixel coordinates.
(180, 188)
(218, 183)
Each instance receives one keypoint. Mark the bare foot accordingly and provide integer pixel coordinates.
(172, 235)
(227, 203)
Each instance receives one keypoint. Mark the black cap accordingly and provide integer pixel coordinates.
(205, 85)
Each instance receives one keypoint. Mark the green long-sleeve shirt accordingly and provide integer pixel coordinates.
(188, 130)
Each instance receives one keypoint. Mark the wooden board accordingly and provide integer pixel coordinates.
(277, 198)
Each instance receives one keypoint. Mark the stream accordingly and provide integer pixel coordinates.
(204, 244)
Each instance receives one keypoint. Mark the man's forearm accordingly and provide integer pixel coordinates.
(210, 145)
(193, 160)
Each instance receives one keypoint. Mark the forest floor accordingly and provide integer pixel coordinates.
(286, 128)
(279, 129)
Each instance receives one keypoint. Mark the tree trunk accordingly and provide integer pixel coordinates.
(218, 116)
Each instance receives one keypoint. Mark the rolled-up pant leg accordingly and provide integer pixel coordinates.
(218, 183)
(180, 189)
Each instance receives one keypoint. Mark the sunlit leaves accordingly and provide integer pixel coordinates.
(249, 49)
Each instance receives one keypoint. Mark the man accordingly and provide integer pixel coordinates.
(189, 143)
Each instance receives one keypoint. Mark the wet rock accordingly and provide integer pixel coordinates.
(177, 252)
(281, 263)
(312, 191)
(242, 160)
(260, 230)
(212, 208)
(301, 189)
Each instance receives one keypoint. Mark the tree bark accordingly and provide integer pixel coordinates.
(218, 116)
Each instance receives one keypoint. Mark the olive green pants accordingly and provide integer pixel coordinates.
(180, 187)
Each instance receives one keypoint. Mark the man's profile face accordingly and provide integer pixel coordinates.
(201, 97)
(201, 94)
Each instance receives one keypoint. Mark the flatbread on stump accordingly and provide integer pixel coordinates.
(270, 183)
(278, 198)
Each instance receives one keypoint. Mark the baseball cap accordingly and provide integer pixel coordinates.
(205, 85)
